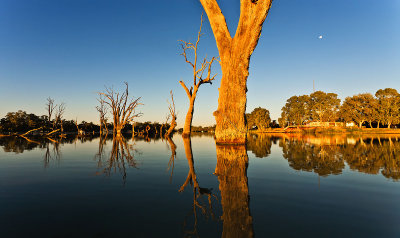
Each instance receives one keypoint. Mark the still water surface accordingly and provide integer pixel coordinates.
(276, 186)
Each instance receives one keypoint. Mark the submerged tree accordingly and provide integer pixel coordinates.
(172, 115)
(122, 108)
(102, 109)
(198, 71)
(235, 56)
(50, 106)
(58, 120)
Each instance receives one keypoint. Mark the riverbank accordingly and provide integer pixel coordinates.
(324, 130)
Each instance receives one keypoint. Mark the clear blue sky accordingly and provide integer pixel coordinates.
(70, 49)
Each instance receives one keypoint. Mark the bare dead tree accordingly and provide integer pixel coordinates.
(59, 116)
(172, 114)
(164, 124)
(122, 108)
(50, 106)
(199, 68)
(79, 131)
(102, 109)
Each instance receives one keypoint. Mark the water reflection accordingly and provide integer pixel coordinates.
(171, 162)
(328, 154)
(202, 197)
(54, 154)
(18, 144)
(232, 162)
(118, 160)
(320, 158)
(260, 144)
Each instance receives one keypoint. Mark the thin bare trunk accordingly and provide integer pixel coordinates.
(198, 71)
(172, 114)
(187, 129)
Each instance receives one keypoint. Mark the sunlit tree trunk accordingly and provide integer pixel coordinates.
(232, 162)
(189, 114)
(172, 114)
(235, 56)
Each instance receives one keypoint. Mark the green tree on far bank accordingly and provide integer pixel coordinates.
(259, 117)
(388, 106)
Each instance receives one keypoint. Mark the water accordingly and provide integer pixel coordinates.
(276, 186)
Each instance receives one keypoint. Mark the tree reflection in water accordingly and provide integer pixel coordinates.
(320, 158)
(198, 194)
(171, 162)
(55, 154)
(121, 157)
(232, 162)
(373, 155)
(327, 155)
(259, 144)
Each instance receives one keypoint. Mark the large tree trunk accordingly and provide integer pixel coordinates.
(232, 162)
(234, 59)
(230, 115)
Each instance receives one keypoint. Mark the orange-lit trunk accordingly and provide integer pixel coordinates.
(230, 115)
(235, 55)
(189, 115)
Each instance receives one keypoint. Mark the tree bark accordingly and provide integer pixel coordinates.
(187, 129)
(230, 115)
(235, 56)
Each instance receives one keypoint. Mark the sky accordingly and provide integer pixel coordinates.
(71, 49)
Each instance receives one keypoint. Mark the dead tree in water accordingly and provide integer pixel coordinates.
(79, 131)
(122, 108)
(58, 117)
(172, 114)
(235, 53)
(198, 71)
(49, 109)
(102, 109)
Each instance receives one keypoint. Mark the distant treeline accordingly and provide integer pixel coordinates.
(364, 109)
(21, 122)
